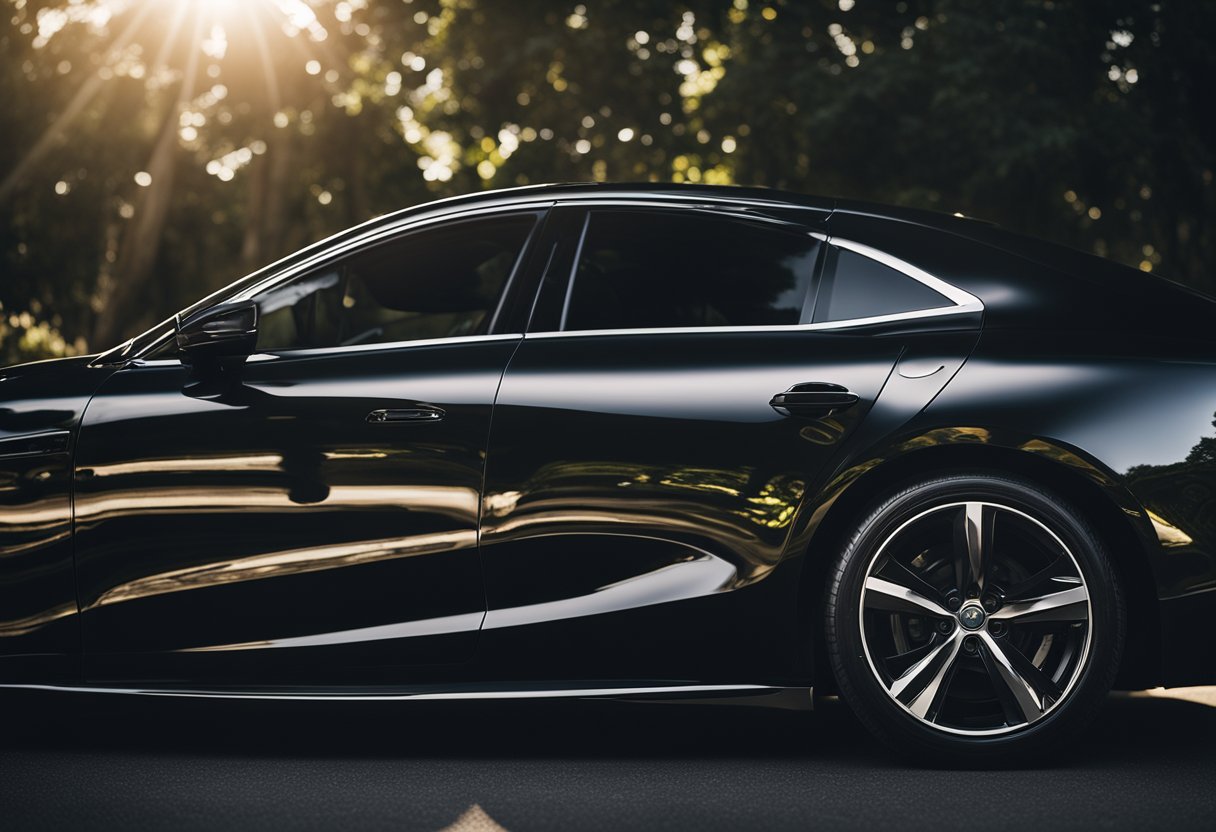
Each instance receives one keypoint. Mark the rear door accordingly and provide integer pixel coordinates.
(655, 435)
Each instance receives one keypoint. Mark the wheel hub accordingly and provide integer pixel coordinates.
(972, 617)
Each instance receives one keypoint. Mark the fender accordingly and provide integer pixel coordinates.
(41, 405)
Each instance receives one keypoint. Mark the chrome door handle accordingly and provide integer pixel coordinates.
(417, 413)
(815, 399)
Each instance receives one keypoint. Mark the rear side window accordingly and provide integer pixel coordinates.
(433, 283)
(640, 269)
(854, 286)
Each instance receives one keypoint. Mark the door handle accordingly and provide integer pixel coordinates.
(417, 413)
(814, 399)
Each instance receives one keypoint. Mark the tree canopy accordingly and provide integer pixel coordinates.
(158, 149)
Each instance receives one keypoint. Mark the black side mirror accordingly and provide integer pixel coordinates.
(221, 334)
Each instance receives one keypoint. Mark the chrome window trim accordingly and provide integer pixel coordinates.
(943, 311)
(570, 279)
(396, 345)
(965, 303)
(273, 355)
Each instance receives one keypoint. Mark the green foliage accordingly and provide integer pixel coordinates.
(264, 124)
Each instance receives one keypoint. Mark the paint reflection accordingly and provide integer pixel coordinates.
(457, 502)
(1181, 504)
(279, 564)
(191, 465)
(739, 510)
(1179, 498)
(37, 516)
(36, 587)
(696, 576)
(34, 416)
(31, 623)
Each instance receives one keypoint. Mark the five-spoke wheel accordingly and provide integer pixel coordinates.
(968, 610)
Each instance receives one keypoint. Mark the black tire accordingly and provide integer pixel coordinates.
(1009, 517)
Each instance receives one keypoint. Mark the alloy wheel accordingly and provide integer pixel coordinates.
(975, 618)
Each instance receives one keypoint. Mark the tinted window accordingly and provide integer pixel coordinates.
(652, 269)
(436, 283)
(854, 286)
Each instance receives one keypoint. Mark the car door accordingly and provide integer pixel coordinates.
(657, 431)
(311, 515)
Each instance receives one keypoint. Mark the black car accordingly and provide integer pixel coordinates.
(634, 441)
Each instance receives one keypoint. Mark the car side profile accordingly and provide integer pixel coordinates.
(655, 441)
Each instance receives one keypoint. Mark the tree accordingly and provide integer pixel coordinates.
(260, 126)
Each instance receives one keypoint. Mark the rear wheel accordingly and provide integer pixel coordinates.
(974, 616)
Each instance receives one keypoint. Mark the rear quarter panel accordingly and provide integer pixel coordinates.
(1133, 414)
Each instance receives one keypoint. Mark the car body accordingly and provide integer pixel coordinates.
(613, 447)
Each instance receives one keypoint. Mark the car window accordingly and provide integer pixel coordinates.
(434, 283)
(854, 286)
(641, 269)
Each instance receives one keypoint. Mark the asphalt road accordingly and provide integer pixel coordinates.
(108, 762)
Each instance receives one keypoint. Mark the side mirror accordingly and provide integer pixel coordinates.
(220, 334)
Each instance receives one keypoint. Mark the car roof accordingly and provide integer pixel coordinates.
(1064, 275)
(741, 194)
(593, 190)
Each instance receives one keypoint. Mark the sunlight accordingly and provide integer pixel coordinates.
(205, 22)
(216, 7)
(233, 11)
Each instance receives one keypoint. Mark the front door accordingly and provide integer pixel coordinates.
(312, 516)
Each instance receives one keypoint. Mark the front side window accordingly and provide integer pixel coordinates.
(640, 269)
(434, 283)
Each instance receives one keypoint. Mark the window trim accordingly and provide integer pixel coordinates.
(313, 352)
(964, 303)
(573, 276)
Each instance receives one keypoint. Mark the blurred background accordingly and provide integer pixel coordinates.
(154, 150)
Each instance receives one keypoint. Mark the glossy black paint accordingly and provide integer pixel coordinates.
(267, 515)
(589, 507)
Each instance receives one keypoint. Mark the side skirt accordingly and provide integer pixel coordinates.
(793, 698)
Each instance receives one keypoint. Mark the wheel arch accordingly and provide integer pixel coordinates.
(1103, 502)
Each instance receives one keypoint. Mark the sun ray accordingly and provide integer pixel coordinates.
(190, 77)
(162, 56)
(268, 70)
(87, 92)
